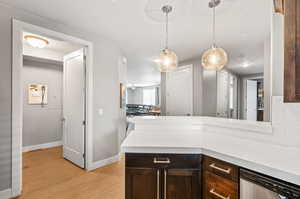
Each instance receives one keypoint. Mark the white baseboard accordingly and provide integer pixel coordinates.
(104, 162)
(42, 146)
(5, 194)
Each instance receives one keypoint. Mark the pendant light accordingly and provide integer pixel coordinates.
(214, 58)
(168, 60)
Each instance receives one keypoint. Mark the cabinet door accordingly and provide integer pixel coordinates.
(142, 183)
(182, 184)
(216, 187)
(292, 51)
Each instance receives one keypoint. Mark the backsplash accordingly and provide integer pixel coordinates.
(286, 121)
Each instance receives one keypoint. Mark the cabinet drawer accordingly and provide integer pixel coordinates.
(216, 187)
(191, 161)
(221, 168)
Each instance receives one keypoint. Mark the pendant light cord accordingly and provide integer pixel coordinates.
(214, 24)
(167, 30)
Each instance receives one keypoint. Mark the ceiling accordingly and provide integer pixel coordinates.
(242, 27)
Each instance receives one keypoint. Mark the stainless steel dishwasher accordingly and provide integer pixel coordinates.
(257, 186)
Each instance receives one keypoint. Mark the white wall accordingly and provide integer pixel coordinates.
(163, 93)
(277, 62)
(285, 116)
(106, 88)
(197, 84)
(43, 53)
(267, 79)
(106, 97)
(135, 96)
(42, 124)
(122, 79)
(209, 93)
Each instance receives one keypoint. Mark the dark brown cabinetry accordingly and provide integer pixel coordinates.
(182, 184)
(163, 176)
(292, 51)
(183, 176)
(180, 176)
(215, 186)
(142, 183)
(220, 179)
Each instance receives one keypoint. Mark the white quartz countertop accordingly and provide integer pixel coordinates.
(269, 158)
(262, 127)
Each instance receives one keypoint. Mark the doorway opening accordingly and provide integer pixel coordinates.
(54, 96)
(254, 98)
(51, 100)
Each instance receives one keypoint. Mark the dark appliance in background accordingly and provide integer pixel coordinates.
(140, 110)
(260, 100)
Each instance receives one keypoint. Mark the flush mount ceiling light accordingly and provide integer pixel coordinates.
(168, 60)
(246, 64)
(214, 58)
(36, 42)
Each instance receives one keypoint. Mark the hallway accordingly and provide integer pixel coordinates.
(47, 175)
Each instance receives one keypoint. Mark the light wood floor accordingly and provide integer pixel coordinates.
(47, 175)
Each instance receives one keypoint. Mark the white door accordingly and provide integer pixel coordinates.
(179, 91)
(233, 97)
(74, 107)
(251, 108)
(222, 94)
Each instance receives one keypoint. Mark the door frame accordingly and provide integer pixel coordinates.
(191, 66)
(18, 27)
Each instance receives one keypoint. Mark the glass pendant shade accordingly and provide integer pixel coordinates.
(214, 59)
(168, 61)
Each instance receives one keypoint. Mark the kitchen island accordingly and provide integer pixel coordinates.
(163, 144)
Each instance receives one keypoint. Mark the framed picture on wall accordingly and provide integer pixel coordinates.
(122, 95)
(37, 94)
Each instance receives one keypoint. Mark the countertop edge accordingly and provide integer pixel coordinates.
(255, 127)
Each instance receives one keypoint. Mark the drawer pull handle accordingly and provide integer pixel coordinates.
(212, 191)
(161, 161)
(220, 169)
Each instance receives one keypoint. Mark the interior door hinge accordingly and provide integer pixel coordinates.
(83, 155)
(83, 123)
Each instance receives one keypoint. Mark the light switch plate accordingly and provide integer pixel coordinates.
(100, 111)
